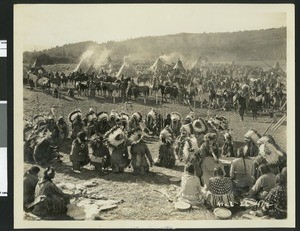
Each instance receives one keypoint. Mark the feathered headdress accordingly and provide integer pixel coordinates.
(103, 115)
(124, 118)
(270, 153)
(167, 135)
(115, 136)
(114, 114)
(190, 145)
(252, 135)
(200, 126)
(91, 115)
(39, 119)
(187, 128)
(135, 135)
(137, 116)
(218, 123)
(152, 113)
(74, 114)
(210, 136)
(266, 138)
(175, 116)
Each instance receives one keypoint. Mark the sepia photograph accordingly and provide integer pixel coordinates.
(154, 115)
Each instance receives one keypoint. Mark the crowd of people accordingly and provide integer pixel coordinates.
(116, 141)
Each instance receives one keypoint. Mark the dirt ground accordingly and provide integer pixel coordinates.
(141, 202)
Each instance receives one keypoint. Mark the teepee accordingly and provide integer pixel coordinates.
(179, 67)
(127, 70)
(157, 66)
(197, 64)
(278, 70)
(90, 70)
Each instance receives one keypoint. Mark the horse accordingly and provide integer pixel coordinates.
(110, 87)
(81, 87)
(145, 90)
(63, 79)
(110, 79)
(80, 78)
(172, 91)
(211, 96)
(144, 78)
(253, 105)
(240, 104)
(159, 87)
(56, 81)
(132, 90)
(46, 84)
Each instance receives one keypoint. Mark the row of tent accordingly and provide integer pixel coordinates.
(127, 69)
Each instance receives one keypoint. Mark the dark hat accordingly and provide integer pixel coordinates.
(34, 170)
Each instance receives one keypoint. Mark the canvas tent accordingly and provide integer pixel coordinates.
(37, 63)
(157, 66)
(278, 70)
(197, 64)
(90, 70)
(179, 67)
(127, 70)
(83, 65)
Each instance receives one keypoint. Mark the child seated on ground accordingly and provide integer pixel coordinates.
(190, 191)
(220, 190)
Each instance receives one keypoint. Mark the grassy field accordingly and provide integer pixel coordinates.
(141, 202)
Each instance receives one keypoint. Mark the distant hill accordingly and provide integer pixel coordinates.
(268, 44)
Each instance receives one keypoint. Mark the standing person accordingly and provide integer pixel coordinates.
(220, 190)
(263, 184)
(139, 152)
(242, 173)
(79, 155)
(49, 199)
(190, 191)
(29, 183)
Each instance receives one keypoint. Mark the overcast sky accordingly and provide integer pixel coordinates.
(43, 26)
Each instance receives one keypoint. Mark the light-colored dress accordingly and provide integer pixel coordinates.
(191, 190)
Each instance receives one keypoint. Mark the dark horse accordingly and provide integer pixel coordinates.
(172, 91)
(80, 78)
(240, 102)
(211, 95)
(161, 88)
(253, 105)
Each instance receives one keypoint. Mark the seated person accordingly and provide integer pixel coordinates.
(242, 173)
(29, 183)
(49, 199)
(220, 190)
(263, 184)
(276, 201)
(166, 156)
(227, 148)
(190, 191)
